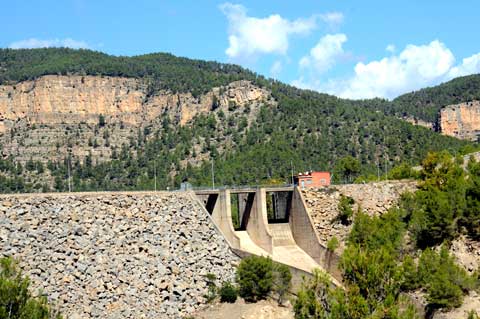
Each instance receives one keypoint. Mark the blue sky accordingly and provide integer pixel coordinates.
(356, 49)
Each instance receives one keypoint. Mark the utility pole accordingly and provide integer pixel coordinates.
(291, 165)
(155, 172)
(213, 177)
(68, 168)
(378, 170)
(385, 154)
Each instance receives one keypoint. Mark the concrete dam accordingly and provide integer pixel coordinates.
(272, 222)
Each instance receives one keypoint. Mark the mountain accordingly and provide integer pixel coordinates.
(132, 122)
(425, 104)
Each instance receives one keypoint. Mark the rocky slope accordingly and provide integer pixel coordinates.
(121, 255)
(461, 120)
(372, 198)
(52, 116)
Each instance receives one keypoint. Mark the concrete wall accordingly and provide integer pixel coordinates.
(257, 227)
(306, 238)
(222, 216)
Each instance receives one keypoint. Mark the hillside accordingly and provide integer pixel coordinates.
(130, 122)
(425, 104)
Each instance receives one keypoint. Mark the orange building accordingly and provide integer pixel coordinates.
(312, 179)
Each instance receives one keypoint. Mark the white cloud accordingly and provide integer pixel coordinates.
(323, 56)
(47, 43)
(333, 19)
(469, 65)
(391, 48)
(415, 67)
(249, 36)
(276, 68)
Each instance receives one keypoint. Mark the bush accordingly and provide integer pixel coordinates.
(228, 293)
(345, 210)
(212, 287)
(445, 281)
(257, 277)
(281, 280)
(333, 244)
(410, 274)
(15, 298)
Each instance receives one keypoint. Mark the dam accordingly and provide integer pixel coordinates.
(146, 254)
(273, 222)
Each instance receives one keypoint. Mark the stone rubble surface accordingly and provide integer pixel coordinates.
(372, 198)
(123, 255)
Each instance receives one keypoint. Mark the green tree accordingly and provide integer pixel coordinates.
(345, 213)
(255, 278)
(16, 301)
(347, 169)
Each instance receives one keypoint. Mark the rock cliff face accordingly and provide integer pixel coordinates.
(55, 99)
(39, 118)
(116, 255)
(461, 120)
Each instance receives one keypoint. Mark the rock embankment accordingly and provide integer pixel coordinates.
(373, 198)
(115, 255)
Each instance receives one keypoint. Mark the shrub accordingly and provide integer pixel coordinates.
(410, 274)
(15, 299)
(345, 210)
(281, 280)
(332, 244)
(445, 281)
(255, 278)
(228, 293)
(212, 287)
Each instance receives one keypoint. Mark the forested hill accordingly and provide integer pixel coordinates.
(425, 104)
(163, 70)
(248, 144)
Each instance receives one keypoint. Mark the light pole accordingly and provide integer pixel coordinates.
(213, 176)
(155, 173)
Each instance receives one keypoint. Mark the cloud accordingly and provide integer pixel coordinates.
(47, 43)
(276, 68)
(391, 48)
(333, 19)
(415, 67)
(324, 55)
(250, 36)
(469, 65)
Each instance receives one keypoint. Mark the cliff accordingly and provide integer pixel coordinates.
(461, 120)
(54, 115)
(55, 99)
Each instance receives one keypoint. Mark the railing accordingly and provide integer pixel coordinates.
(238, 187)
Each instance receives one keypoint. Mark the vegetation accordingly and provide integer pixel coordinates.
(426, 103)
(258, 277)
(16, 301)
(211, 286)
(446, 203)
(312, 130)
(345, 209)
(378, 267)
(228, 293)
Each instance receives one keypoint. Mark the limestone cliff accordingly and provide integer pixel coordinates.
(461, 120)
(55, 99)
(52, 115)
